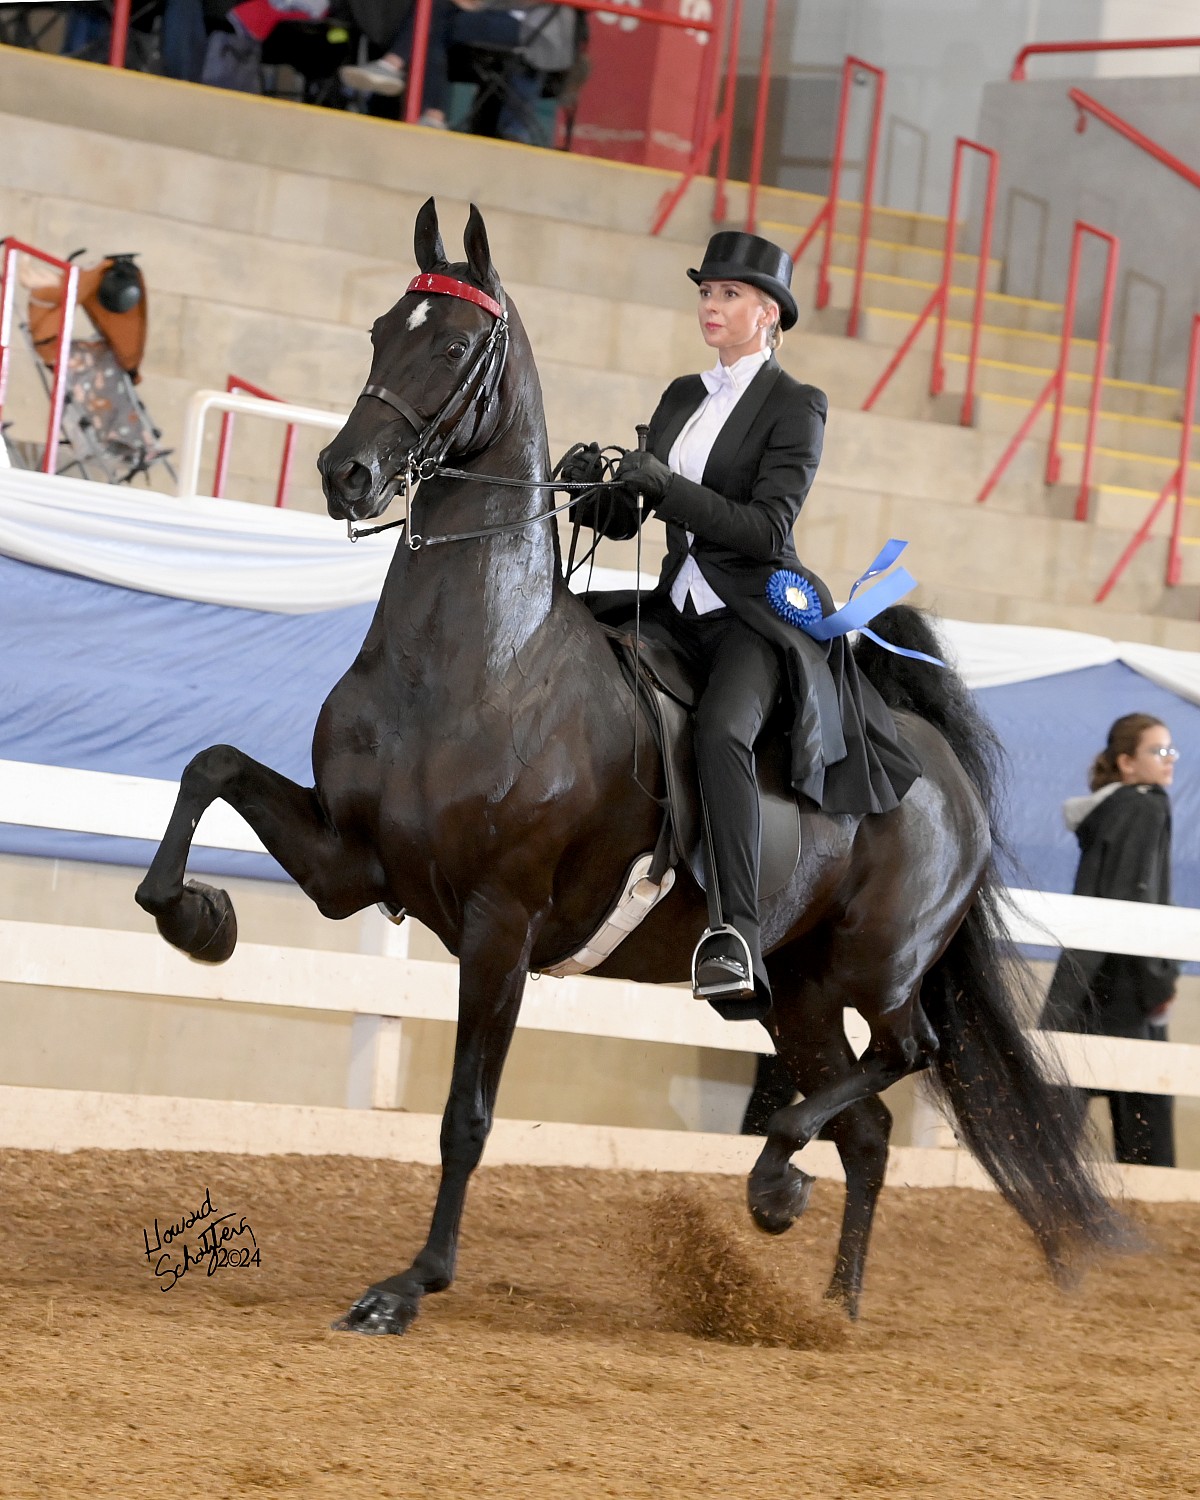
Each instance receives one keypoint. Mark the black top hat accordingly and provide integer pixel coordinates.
(735, 256)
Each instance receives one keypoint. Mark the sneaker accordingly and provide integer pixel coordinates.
(433, 119)
(378, 77)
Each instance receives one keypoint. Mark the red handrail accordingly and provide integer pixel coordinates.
(119, 40)
(1174, 561)
(1056, 385)
(828, 214)
(220, 469)
(62, 358)
(1175, 486)
(1053, 461)
(760, 113)
(718, 130)
(939, 301)
(1086, 105)
(1148, 44)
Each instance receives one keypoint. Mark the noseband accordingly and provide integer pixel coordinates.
(436, 434)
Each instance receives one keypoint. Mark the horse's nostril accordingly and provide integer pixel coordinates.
(353, 479)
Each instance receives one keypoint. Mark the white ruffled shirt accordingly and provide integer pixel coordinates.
(689, 454)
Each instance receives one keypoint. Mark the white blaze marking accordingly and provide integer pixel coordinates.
(418, 314)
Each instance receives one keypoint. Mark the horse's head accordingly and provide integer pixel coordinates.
(433, 390)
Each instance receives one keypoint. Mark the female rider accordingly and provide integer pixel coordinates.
(730, 458)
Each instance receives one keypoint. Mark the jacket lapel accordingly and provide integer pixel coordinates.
(737, 425)
(690, 394)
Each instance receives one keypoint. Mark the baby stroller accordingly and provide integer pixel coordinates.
(106, 433)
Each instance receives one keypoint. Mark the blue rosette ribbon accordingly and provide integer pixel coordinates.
(795, 600)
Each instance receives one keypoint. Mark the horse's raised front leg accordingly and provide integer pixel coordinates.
(494, 958)
(288, 819)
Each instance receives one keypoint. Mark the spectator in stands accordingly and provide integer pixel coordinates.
(542, 36)
(1124, 832)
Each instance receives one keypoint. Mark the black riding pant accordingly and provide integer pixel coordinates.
(742, 674)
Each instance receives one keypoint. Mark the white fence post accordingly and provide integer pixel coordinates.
(374, 1076)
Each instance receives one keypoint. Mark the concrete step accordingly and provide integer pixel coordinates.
(1027, 347)
(1117, 430)
(785, 217)
(1125, 509)
(919, 263)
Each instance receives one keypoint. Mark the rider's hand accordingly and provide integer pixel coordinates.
(642, 473)
(583, 464)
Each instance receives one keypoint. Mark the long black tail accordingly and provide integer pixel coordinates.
(1012, 1110)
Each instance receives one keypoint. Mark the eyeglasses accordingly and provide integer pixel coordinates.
(1163, 752)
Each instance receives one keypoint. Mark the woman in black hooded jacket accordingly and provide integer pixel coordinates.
(1124, 833)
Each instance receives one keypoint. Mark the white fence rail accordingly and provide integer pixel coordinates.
(204, 402)
(381, 992)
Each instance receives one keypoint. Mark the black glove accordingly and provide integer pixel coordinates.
(582, 464)
(642, 473)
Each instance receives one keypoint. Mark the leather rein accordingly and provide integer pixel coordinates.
(436, 434)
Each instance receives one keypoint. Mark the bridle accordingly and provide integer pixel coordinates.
(437, 433)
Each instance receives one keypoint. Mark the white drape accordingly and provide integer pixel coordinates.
(290, 562)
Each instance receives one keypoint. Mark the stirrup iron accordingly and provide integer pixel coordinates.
(733, 988)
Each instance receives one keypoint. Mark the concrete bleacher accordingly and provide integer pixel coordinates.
(271, 237)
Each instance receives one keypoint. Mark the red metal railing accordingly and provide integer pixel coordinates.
(939, 302)
(827, 218)
(760, 114)
(119, 40)
(1086, 105)
(1175, 487)
(58, 389)
(1149, 44)
(713, 129)
(236, 383)
(1056, 386)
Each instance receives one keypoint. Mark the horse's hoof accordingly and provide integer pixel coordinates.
(776, 1208)
(846, 1298)
(201, 923)
(377, 1311)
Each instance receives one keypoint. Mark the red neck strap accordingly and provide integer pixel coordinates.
(448, 287)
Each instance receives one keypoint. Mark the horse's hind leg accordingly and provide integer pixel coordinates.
(287, 818)
(817, 1055)
(861, 1133)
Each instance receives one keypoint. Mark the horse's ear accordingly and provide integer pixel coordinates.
(479, 255)
(427, 239)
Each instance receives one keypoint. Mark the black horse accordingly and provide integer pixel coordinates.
(473, 766)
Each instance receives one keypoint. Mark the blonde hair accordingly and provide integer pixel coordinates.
(1123, 739)
(775, 333)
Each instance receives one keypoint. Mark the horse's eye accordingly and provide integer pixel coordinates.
(457, 349)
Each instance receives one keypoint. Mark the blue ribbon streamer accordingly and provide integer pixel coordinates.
(855, 614)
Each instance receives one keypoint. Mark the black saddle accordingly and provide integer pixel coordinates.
(669, 693)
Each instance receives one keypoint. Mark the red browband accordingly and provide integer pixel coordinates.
(448, 287)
